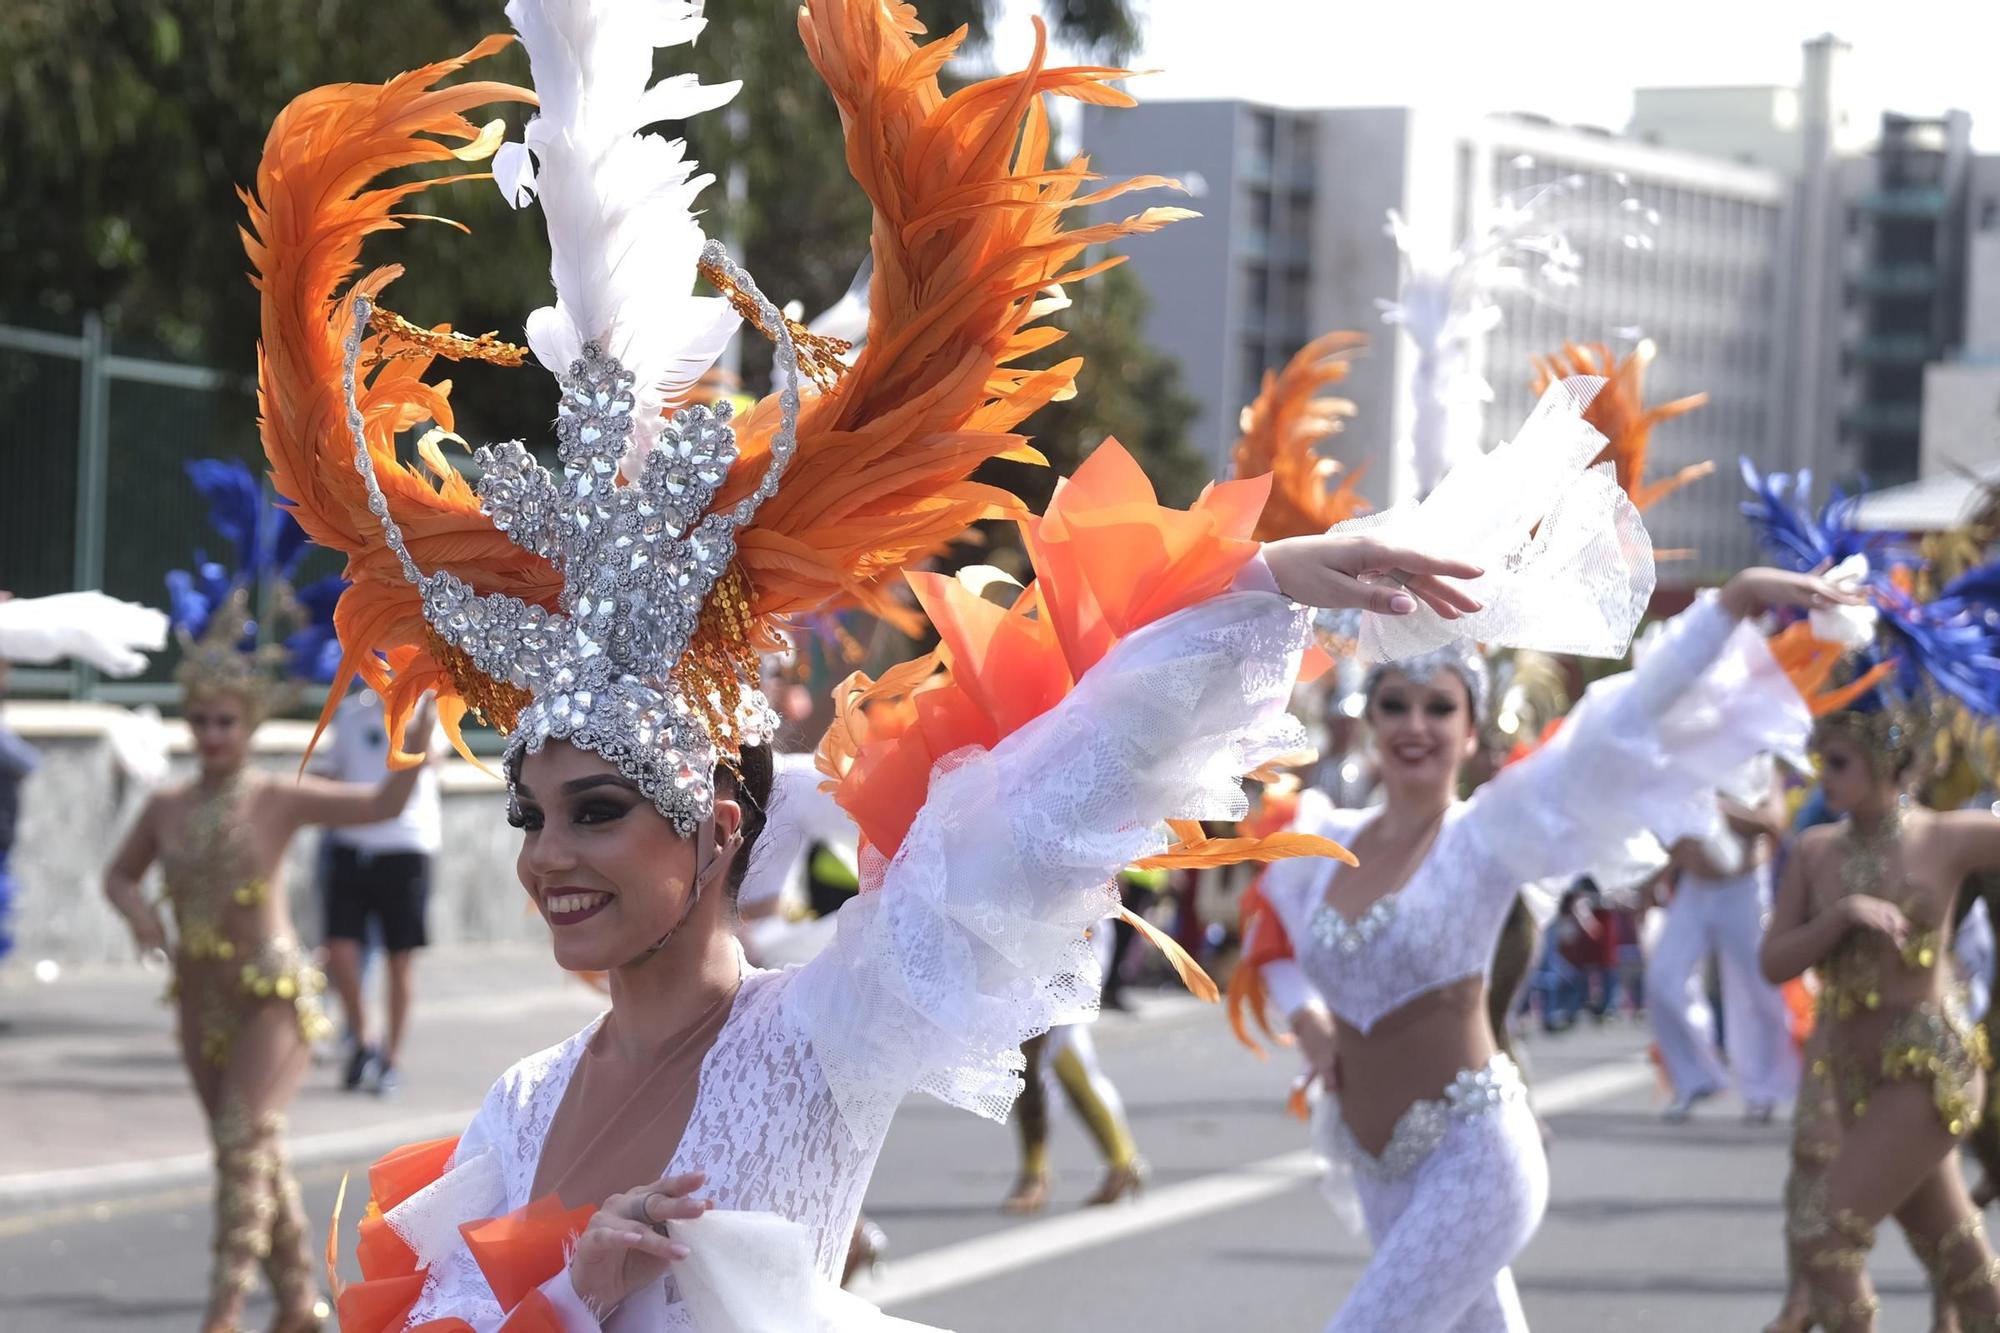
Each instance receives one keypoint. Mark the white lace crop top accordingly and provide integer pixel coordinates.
(1642, 750)
(974, 940)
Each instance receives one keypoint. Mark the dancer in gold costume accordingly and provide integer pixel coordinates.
(247, 996)
(1867, 901)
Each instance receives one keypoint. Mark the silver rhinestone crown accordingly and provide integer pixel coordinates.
(638, 559)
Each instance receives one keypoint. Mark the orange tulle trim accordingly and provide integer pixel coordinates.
(390, 1279)
(1108, 558)
(533, 1315)
(382, 1305)
(1281, 430)
(516, 1252)
(519, 1251)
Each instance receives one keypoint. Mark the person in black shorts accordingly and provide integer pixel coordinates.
(378, 880)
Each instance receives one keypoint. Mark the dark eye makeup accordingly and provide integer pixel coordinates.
(592, 810)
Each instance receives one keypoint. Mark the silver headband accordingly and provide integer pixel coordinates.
(1461, 658)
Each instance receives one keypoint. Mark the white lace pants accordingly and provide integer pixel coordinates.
(1724, 917)
(1445, 1232)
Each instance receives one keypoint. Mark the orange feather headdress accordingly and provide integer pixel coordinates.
(1620, 414)
(1281, 431)
(967, 234)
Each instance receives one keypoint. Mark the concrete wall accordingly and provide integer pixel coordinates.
(1961, 417)
(77, 804)
(1982, 297)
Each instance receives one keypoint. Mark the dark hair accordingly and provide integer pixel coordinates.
(750, 787)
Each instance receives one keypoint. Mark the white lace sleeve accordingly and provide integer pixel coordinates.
(975, 939)
(1644, 750)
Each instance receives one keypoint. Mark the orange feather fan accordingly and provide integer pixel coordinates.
(1620, 414)
(967, 235)
(1281, 430)
(313, 206)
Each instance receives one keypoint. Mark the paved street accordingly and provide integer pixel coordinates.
(104, 1199)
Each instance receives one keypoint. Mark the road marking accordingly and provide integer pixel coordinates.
(105, 1210)
(167, 1173)
(163, 1178)
(951, 1266)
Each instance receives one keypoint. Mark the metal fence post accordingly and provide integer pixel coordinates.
(93, 431)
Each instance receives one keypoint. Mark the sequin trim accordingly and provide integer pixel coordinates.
(1422, 1126)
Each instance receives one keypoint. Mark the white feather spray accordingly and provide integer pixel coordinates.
(619, 202)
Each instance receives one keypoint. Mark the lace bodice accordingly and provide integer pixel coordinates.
(1642, 750)
(972, 940)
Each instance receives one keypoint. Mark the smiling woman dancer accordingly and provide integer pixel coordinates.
(1386, 992)
(696, 1157)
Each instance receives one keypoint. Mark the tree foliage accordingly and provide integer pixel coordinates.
(132, 123)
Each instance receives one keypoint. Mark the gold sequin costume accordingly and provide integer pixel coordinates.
(221, 978)
(1929, 1041)
(214, 969)
(1932, 1041)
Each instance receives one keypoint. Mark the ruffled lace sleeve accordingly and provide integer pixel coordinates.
(975, 939)
(1644, 750)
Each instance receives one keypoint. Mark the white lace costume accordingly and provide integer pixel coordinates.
(973, 941)
(1462, 1184)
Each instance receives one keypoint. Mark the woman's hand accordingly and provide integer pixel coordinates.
(1337, 572)
(1312, 1028)
(625, 1246)
(1761, 589)
(1877, 914)
(149, 937)
(422, 728)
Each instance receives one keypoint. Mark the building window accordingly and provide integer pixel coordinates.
(1252, 371)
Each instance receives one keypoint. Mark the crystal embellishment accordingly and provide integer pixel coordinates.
(639, 552)
(1423, 1125)
(1335, 932)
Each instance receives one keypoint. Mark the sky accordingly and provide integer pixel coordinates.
(1576, 64)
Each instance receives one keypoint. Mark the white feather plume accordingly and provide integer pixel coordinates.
(619, 203)
(1449, 303)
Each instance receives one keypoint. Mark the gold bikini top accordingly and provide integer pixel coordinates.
(1852, 973)
(204, 874)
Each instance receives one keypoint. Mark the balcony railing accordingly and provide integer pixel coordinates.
(1910, 201)
(1912, 279)
(1885, 418)
(1896, 349)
